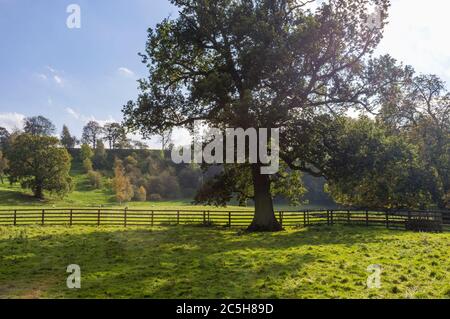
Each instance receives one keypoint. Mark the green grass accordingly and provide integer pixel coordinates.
(14, 197)
(83, 195)
(196, 262)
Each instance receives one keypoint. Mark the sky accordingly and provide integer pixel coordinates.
(75, 75)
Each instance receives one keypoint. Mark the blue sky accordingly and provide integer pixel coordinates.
(75, 75)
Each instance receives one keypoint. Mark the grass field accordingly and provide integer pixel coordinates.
(196, 262)
(13, 196)
(200, 262)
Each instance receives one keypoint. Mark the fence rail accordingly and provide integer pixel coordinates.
(227, 218)
(429, 220)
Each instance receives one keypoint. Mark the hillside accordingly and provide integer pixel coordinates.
(153, 165)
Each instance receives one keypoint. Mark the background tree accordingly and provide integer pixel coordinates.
(38, 125)
(124, 143)
(141, 194)
(95, 179)
(100, 157)
(67, 140)
(86, 155)
(40, 164)
(166, 139)
(121, 183)
(3, 166)
(4, 137)
(417, 109)
(260, 64)
(92, 132)
(114, 133)
(383, 171)
(139, 145)
(86, 152)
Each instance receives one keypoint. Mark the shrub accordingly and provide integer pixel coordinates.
(99, 158)
(87, 165)
(95, 179)
(155, 197)
(140, 194)
(121, 183)
(86, 152)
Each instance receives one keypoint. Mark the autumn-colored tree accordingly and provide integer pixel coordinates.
(121, 183)
(141, 194)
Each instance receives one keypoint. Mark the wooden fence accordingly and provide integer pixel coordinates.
(138, 217)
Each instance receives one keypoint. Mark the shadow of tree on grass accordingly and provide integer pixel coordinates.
(174, 262)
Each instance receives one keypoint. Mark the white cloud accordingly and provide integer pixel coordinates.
(52, 70)
(58, 80)
(83, 118)
(126, 72)
(103, 122)
(72, 112)
(11, 121)
(53, 74)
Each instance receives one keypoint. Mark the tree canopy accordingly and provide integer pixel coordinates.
(260, 64)
(67, 140)
(115, 134)
(92, 132)
(38, 125)
(39, 164)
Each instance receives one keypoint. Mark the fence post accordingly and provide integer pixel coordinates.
(43, 216)
(409, 219)
(348, 217)
(440, 218)
(152, 219)
(125, 217)
(98, 217)
(209, 220)
(71, 217)
(15, 217)
(229, 219)
(332, 217)
(387, 219)
(328, 217)
(204, 217)
(178, 217)
(367, 218)
(304, 218)
(280, 217)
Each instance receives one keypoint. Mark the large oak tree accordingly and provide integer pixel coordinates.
(256, 64)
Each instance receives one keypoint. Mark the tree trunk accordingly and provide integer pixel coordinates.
(264, 218)
(38, 192)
